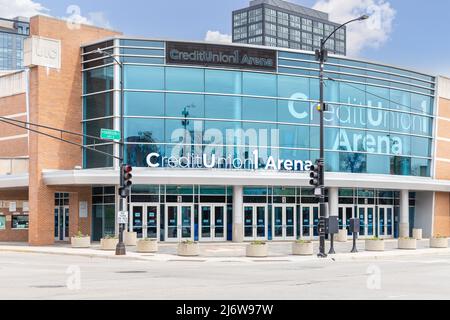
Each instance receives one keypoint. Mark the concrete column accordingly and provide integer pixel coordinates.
(238, 219)
(404, 214)
(333, 202)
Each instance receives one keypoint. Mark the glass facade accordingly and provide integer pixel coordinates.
(379, 120)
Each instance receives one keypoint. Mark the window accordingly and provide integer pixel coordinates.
(283, 18)
(270, 15)
(99, 79)
(271, 29)
(2, 222)
(307, 24)
(223, 107)
(144, 104)
(296, 35)
(240, 19)
(318, 27)
(259, 109)
(316, 41)
(144, 77)
(255, 15)
(254, 29)
(98, 105)
(144, 130)
(307, 38)
(240, 33)
(283, 32)
(255, 40)
(283, 43)
(271, 42)
(185, 105)
(221, 81)
(20, 222)
(92, 128)
(295, 22)
(184, 79)
(259, 84)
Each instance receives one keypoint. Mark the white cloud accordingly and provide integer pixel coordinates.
(75, 18)
(216, 36)
(372, 33)
(25, 8)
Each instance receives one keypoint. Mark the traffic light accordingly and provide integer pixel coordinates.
(314, 175)
(125, 184)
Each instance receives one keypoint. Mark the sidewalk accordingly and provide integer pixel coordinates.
(230, 252)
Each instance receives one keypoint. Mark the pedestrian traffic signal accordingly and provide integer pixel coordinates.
(314, 175)
(125, 184)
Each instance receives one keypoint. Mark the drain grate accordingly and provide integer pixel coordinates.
(48, 286)
(132, 271)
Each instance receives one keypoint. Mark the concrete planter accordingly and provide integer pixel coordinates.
(108, 244)
(302, 248)
(374, 245)
(407, 243)
(342, 235)
(417, 234)
(147, 246)
(256, 250)
(188, 249)
(80, 242)
(438, 243)
(129, 238)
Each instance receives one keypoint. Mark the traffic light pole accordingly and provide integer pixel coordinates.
(120, 248)
(321, 162)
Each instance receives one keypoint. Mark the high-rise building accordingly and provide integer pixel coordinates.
(12, 35)
(278, 23)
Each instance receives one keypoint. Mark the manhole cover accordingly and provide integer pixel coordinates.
(132, 271)
(48, 286)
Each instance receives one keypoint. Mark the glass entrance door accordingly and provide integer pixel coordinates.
(145, 220)
(309, 222)
(255, 222)
(179, 222)
(366, 215)
(385, 225)
(284, 222)
(212, 222)
(345, 214)
(61, 223)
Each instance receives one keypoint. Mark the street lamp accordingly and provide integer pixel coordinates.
(120, 248)
(321, 56)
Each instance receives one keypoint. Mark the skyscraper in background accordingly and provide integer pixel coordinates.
(13, 32)
(280, 23)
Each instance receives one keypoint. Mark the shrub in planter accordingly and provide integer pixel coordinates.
(80, 241)
(130, 238)
(407, 243)
(302, 248)
(147, 245)
(256, 249)
(374, 244)
(188, 248)
(109, 242)
(439, 242)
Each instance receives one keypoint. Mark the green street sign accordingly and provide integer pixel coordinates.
(108, 134)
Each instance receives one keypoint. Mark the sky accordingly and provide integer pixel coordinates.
(408, 33)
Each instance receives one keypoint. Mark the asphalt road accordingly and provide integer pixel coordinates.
(40, 276)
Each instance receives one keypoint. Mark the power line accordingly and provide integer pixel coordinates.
(6, 120)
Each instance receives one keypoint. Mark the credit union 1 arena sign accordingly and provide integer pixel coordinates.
(220, 55)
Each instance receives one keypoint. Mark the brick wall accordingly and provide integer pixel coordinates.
(55, 100)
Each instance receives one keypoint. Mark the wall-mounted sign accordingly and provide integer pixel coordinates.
(40, 51)
(12, 206)
(83, 209)
(220, 55)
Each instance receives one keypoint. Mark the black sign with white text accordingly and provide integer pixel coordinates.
(221, 56)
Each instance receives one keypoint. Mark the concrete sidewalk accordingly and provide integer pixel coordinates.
(230, 252)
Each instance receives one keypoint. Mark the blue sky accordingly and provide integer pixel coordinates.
(418, 37)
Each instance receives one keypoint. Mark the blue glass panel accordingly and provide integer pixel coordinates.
(185, 105)
(352, 93)
(223, 107)
(185, 79)
(143, 60)
(401, 100)
(294, 136)
(400, 122)
(420, 147)
(93, 128)
(400, 166)
(294, 111)
(314, 91)
(263, 134)
(136, 154)
(144, 104)
(332, 91)
(421, 104)
(144, 77)
(144, 130)
(378, 164)
(293, 87)
(188, 130)
(421, 167)
(220, 81)
(142, 52)
(228, 129)
(259, 109)
(99, 79)
(421, 125)
(98, 105)
(141, 43)
(93, 159)
(352, 162)
(259, 84)
(377, 97)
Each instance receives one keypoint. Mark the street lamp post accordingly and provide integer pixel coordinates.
(120, 248)
(321, 56)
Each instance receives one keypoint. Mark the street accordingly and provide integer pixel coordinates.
(51, 276)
